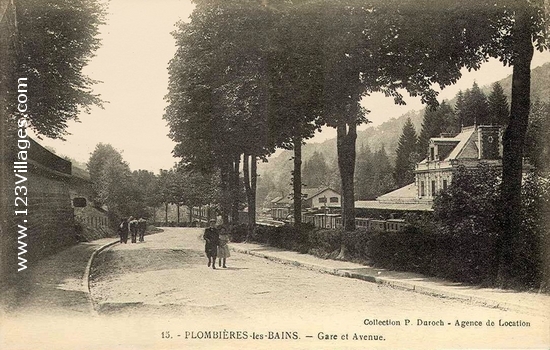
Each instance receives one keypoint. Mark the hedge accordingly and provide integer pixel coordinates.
(468, 259)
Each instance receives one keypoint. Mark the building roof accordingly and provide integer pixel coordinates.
(463, 147)
(308, 192)
(283, 200)
(466, 146)
(80, 173)
(418, 206)
(444, 140)
(404, 198)
(48, 160)
(404, 194)
(314, 191)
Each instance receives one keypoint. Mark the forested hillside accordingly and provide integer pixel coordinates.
(275, 175)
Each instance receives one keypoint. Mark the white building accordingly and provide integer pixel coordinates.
(312, 198)
(473, 145)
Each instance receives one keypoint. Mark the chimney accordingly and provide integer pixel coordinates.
(489, 141)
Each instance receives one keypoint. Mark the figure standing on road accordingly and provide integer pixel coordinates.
(142, 226)
(123, 230)
(133, 223)
(212, 239)
(223, 249)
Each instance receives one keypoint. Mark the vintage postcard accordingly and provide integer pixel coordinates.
(149, 156)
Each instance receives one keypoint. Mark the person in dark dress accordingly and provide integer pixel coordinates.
(123, 231)
(212, 240)
(133, 224)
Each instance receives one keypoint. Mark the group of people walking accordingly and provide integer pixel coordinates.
(133, 227)
(216, 244)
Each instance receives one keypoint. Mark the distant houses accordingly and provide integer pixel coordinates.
(312, 199)
(472, 146)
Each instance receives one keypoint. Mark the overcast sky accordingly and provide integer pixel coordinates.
(132, 65)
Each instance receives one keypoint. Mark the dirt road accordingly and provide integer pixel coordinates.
(166, 278)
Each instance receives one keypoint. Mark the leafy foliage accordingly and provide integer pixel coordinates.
(474, 109)
(436, 121)
(469, 211)
(374, 175)
(316, 171)
(123, 192)
(530, 27)
(499, 109)
(147, 184)
(111, 180)
(537, 147)
(57, 38)
(407, 157)
(469, 205)
(532, 257)
(234, 56)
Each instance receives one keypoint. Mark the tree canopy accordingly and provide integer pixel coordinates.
(473, 108)
(436, 121)
(499, 108)
(234, 56)
(125, 193)
(407, 155)
(316, 171)
(56, 39)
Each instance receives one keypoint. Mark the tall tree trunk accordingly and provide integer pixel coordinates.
(346, 136)
(178, 211)
(225, 189)
(253, 188)
(247, 189)
(297, 182)
(513, 145)
(166, 213)
(235, 184)
(249, 176)
(190, 209)
(200, 216)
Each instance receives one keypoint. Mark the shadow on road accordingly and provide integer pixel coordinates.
(122, 261)
(232, 268)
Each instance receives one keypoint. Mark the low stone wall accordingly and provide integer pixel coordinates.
(51, 223)
(45, 224)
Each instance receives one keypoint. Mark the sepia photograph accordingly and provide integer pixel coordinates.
(274, 174)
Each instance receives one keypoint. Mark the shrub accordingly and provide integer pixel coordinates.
(468, 258)
(356, 243)
(467, 216)
(409, 250)
(238, 233)
(323, 242)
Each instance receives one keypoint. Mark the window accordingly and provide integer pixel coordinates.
(432, 153)
(322, 199)
(433, 188)
(422, 192)
(334, 199)
(444, 185)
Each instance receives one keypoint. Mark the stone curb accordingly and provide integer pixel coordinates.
(86, 277)
(432, 291)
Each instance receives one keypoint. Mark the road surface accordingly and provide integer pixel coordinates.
(165, 283)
